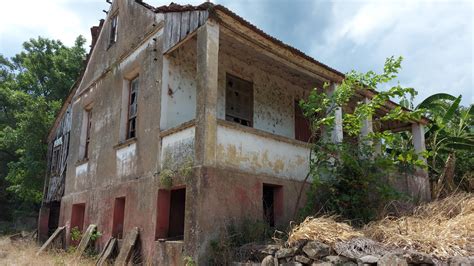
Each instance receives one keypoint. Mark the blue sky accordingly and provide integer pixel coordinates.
(435, 38)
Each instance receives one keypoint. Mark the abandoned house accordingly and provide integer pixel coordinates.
(184, 118)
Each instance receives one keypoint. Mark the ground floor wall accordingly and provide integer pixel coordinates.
(214, 198)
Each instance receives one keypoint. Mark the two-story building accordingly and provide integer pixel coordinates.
(184, 119)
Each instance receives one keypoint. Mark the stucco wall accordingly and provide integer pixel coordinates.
(274, 95)
(110, 161)
(258, 154)
(180, 97)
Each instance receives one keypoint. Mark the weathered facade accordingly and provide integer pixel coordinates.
(184, 119)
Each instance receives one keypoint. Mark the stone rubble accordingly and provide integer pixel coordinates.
(315, 253)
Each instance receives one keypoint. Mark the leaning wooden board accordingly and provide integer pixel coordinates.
(127, 247)
(59, 231)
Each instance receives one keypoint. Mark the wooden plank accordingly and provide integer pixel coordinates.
(127, 248)
(203, 17)
(85, 240)
(59, 232)
(167, 32)
(107, 252)
(184, 25)
(193, 20)
(175, 32)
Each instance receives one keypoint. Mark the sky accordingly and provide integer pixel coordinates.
(435, 38)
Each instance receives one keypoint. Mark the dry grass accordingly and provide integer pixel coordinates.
(24, 253)
(324, 229)
(443, 228)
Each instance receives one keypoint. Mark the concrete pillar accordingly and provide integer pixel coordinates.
(206, 94)
(336, 134)
(418, 132)
(367, 126)
(164, 93)
(419, 185)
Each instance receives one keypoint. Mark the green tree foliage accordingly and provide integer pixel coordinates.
(350, 179)
(450, 141)
(33, 85)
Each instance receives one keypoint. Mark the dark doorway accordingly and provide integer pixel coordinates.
(176, 218)
(119, 216)
(77, 216)
(272, 200)
(53, 220)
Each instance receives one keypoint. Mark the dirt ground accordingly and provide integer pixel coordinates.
(23, 252)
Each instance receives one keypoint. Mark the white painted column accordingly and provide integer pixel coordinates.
(336, 134)
(419, 185)
(206, 94)
(164, 94)
(418, 132)
(367, 126)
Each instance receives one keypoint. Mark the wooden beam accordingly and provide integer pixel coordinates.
(127, 248)
(58, 233)
(85, 240)
(107, 252)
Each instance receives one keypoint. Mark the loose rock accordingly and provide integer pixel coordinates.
(461, 261)
(368, 259)
(302, 259)
(284, 253)
(337, 260)
(268, 261)
(316, 250)
(391, 259)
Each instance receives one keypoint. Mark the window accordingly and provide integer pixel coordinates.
(113, 30)
(132, 108)
(170, 214)
(119, 216)
(88, 133)
(272, 202)
(239, 101)
(302, 125)
(77, 216)
(55, 159)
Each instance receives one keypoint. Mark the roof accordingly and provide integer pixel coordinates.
(173, 7)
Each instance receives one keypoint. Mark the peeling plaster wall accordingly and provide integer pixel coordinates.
(181, 95)
(109, 161)
(274, 96)
(178, 149)
(261, 155)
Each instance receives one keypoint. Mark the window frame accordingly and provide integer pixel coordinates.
(88, 133)
(249, 121)
(132, 119)
(113, 34)
(55, 159)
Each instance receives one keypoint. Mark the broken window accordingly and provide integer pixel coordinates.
(88, 133)
(118, 219)
(77, 216)
(55, 159)
(113, 30)
(272, 202)
(239, 101)
(302, 124)
(170, 214)
(132, 108)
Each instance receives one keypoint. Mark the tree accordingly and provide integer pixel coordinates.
(450, 137)
(350, 178)
(33, 85)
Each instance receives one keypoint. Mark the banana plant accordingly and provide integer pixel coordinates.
(451, 132)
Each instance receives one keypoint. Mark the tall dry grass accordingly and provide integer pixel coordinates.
(443, 228)
(23, 252)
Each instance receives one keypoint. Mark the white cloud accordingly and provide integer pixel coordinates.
(435, 38)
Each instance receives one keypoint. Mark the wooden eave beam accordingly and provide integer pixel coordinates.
(240, 32)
